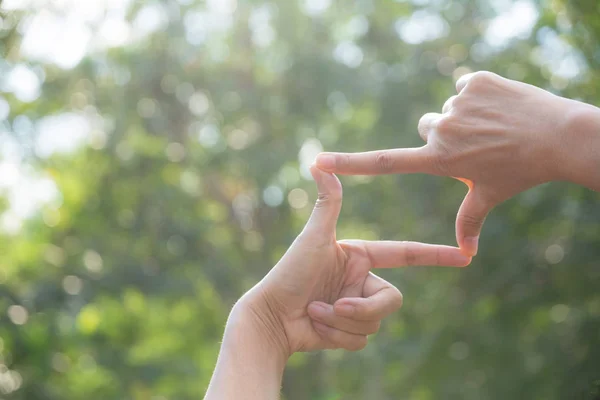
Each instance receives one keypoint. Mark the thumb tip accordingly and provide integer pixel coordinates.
(326, 181)
(314, 170)
(316, 173)
(470, 246)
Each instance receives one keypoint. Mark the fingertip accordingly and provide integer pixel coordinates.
(325, 161)
(315, 171)
(465, 261)
(322, 223)
(459, 258)
(326, 182)
(470, 246)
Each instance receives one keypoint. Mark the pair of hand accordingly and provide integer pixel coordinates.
(321, 294)
(498, 136)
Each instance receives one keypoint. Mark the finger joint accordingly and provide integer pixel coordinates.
(384, 161)
(470, 221)
(410, 256)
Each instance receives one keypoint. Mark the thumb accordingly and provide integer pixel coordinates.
(324, 217)
(469, 221)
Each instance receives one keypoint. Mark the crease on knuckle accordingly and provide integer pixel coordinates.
(367, 253)
(470, 221)
(343, 160)
(410, 257)
(324, 199)
(384, 161)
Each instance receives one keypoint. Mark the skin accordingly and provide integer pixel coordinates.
(320, 295)
(500, 137)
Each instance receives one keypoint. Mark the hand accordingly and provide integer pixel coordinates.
(321, 294)
(499, 136)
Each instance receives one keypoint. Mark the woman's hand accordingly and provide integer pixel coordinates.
(321, 294)
(500, 137)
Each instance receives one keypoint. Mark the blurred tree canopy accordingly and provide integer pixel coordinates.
(153, 167)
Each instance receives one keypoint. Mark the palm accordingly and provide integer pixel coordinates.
(341, 273)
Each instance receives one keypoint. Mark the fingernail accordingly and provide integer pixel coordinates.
(325, 161)
(471, 245)
(345, 310)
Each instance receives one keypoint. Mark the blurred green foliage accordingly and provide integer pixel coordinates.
(191, 183)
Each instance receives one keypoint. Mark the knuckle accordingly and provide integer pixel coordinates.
(480, 79)
(428, 119)
(449, 104)
(424, 126)
(446, 125)
(424, 120)
(459, 103)
(384, 161)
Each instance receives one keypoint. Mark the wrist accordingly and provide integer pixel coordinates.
(253, 316)
(250, 364)
(580, 146)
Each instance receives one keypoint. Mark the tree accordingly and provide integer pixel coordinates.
(191, 182)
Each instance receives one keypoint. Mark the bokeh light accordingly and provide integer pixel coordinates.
(155, 164)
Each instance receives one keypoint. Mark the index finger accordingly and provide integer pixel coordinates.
(392, 161)
(391, 254)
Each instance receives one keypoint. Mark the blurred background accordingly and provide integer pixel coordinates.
(154, 165)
